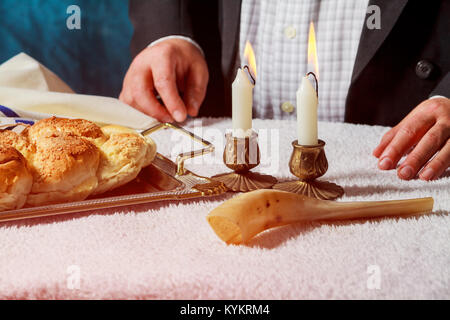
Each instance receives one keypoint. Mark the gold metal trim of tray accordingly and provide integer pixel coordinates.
(170, 181)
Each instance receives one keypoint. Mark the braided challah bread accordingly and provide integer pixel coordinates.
(68, 160)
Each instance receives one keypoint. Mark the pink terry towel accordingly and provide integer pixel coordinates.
(167, 250)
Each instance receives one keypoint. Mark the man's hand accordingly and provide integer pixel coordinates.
(426, 129)
(168, 68)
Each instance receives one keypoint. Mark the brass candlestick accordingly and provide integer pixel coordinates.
(309, 163)
(241, 155)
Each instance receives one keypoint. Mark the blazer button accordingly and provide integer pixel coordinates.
(287, 107)
(290, 32)
(424, 68)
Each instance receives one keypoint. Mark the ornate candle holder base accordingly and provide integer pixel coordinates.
(244, 182)
(316, 189)
(308, 163)
(241, 155)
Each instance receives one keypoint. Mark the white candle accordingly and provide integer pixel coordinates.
(242, 103)
(307, 113)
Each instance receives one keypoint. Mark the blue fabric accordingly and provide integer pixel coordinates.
(7, 112)
(92, 60)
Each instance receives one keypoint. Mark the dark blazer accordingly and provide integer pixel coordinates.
(396, 67)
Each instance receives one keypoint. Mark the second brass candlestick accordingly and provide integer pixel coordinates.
(241, 155)
(309, 163)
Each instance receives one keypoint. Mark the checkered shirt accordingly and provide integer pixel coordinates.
(278, 32)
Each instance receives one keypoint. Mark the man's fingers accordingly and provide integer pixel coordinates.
(425, 149)
(197, 82)
(385, 140)
(164, 78)
(438, 165)
(125, 95)
(408, 134)
(138, 92)
(146, 101)
(125, 98)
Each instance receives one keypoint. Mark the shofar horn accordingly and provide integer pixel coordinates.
(241, 218)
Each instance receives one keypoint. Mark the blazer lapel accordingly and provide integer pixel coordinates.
(371, 40)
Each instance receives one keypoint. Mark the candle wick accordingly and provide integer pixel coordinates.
(315, 80)
(250, 74)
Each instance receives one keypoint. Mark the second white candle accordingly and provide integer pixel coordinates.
(307, 113)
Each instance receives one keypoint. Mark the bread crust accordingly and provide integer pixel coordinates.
(17, 141)
(15, 178)
(50, 126)
(62, 162)
(123, 155)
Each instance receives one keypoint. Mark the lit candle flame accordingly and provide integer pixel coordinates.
(312, 51)
(249, 54)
